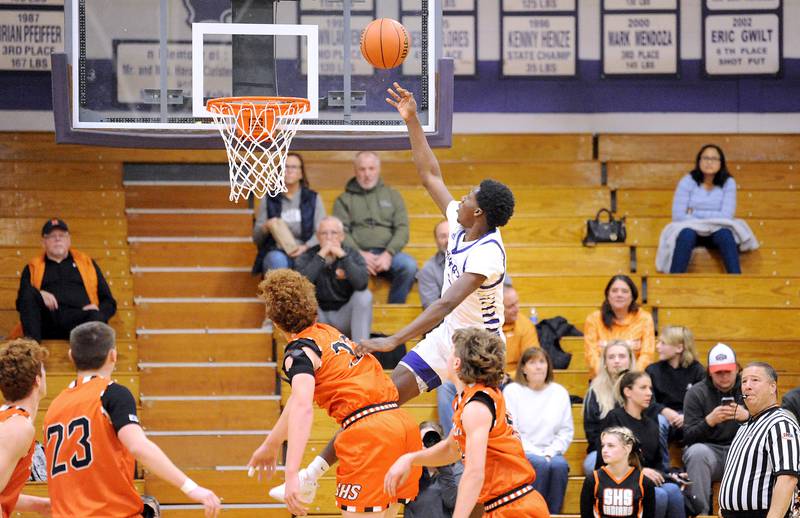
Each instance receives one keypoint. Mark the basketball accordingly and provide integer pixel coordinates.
(384, 43)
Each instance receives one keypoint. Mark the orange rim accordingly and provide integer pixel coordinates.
(279, 104)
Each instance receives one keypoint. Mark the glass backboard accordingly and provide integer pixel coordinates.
(136, 64)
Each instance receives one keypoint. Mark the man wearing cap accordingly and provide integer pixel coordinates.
(61, 289)
(713, 411)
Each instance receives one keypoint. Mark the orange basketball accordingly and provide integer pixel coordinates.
(384, 43)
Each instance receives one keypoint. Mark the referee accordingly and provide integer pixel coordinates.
(763, 464)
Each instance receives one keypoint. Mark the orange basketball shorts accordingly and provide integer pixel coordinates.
(366, 450)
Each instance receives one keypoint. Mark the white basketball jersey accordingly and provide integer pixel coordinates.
(485, 256)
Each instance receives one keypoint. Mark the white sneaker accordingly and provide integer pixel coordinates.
(308, 489)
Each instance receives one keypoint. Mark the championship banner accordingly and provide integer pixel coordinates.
(28, 38)
(640, 44)
(539, 46)
(742, 44)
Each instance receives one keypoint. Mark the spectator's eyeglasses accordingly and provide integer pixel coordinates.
(710, 159)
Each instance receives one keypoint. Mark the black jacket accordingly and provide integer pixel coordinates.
(791, 402)
(670, 385)
(333, 291)
(700, 400)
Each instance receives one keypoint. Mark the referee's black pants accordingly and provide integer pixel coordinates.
(39, 323)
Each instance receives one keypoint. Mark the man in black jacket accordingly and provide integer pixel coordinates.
(791, 402)
(712, 412)
(341, 278)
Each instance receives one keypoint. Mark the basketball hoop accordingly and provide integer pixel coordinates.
(257, 132)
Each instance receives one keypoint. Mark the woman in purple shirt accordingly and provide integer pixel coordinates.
(707, 192)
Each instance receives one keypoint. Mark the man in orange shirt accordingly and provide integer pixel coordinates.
(520, 332)
(93, 438)
(60, 289)
(22, 381)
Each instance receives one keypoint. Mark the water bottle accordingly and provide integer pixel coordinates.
(534, 316)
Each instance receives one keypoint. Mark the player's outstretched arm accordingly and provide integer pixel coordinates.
(433, 314)
(33, 504)
(301, 417)
(265, 458)
(444, 453)
(156, 461)
(424, 159)
(477, 421)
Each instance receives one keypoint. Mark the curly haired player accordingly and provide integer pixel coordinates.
(496, 472)
(322, 365)
(23, 383)
(472, 292)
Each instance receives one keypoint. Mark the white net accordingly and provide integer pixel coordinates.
(257, 135)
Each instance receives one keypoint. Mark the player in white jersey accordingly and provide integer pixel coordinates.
(474, 269)
(472, 293)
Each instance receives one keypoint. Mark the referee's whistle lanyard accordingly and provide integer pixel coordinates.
(754, 418)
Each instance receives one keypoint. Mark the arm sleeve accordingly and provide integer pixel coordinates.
(648, 341)
(310, 264)
(259, 234)
(566, 428)
(342, 211)
(649, 503)
(591, 347)
(680, 200)
(728, 208)
(108, 306)
(400, 224)
(120, 405)
(695, 427)
(356, 270)
(429, 289)
(591, 420)
(24, 284)
(783, 443)
(319, 213)
(587, 497)
(486, 259)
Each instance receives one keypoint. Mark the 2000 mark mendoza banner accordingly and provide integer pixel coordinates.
(27, 38)
(539, 45)
(640, 44)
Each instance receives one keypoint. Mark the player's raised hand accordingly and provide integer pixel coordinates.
(292, 495)
(397, 475)
(211, 502)
(264, 459)
(372, 345)
(403, 100)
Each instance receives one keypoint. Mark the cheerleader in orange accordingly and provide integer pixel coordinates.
(322, 366)
(496, 472)
(22, 381)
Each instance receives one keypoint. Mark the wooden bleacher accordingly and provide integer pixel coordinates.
(183, 327)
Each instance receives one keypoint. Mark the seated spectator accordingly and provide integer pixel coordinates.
(542, 415)
(431, 277)
(621, 318)
(438, 486)
(675, 373)
(712, 411)
(621, 475)
(341, 280)
(61, 289)
(617, 358)
(791, 402)
(520, 332)
(634, 393)
(703, 211)
(300, 208)
(376, 223)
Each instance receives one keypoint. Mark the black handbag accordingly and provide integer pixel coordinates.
(611, 231)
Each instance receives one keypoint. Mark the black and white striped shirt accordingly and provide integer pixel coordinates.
(766, 446)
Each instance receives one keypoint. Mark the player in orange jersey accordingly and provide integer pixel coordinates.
(496, 472)
(93, 439)
(22, 381)
(321, 365)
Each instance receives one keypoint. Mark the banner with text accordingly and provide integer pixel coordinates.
(28, 37)
(640, 43)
